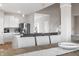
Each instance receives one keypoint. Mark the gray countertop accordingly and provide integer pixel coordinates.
(40, 34)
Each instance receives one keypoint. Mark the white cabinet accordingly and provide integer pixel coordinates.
(21, 42)
(42, 40)
(11, 21)
(6, 21)
(55, 38)
(1, 39)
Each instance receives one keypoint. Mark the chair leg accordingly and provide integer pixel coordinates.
(35, 41)
(49, 41)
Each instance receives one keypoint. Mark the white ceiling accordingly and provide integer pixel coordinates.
(25, 8)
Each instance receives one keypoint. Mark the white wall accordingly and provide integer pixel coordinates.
(41, 21)
(76, 25)
(34, 19)
(1, 27)
(75, 8)
(54, 20)
(54, 12)
(1, 22)
(75, 12)
(72, 24)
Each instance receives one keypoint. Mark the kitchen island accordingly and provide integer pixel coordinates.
(36, 39)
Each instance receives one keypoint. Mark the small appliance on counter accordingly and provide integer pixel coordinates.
(11, 30)
(6, 30)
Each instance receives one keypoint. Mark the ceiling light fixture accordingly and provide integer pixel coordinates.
(0, 5)
(23, 15)
(19, 11)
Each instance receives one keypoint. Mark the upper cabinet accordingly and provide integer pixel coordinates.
(11, 21)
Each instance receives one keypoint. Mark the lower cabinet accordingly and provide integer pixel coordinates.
(21, 42)
(24, 42)
(1, 39)
(55, 38)
(42, 40)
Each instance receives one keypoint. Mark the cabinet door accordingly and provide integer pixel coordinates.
(55, 38)
(25, 42)
(7, 21)
(42, 40)
(11, 21)
(14, 21)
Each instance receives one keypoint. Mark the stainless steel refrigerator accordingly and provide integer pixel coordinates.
(24, 28)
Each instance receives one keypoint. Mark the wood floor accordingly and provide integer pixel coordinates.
(7, 50)
(6, 45)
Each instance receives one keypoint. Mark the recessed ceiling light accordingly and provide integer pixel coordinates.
(23, 15)
(19, 11)
(0, 5)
